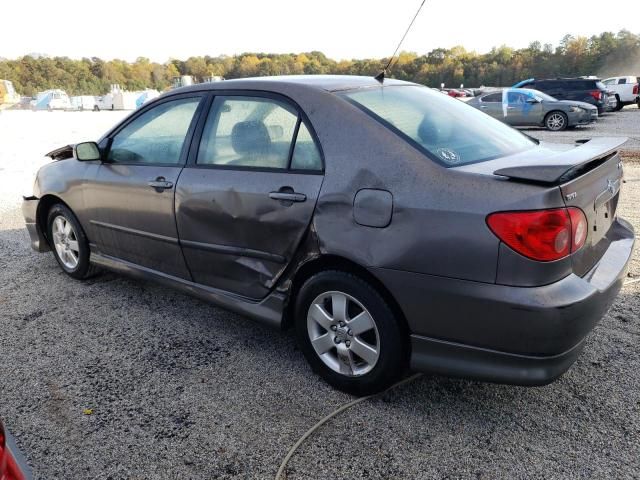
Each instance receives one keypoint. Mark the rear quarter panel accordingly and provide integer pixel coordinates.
(438, 222)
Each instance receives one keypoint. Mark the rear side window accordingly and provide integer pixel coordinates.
(255, 132)
(306, 155)
(622, 80)
(445, 129)
(248, 132)
(493, 98)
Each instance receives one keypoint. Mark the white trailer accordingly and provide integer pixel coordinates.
(83, 102)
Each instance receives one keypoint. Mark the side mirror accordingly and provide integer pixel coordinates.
(87, 151)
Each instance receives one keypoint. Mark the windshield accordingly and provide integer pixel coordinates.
(444, 128)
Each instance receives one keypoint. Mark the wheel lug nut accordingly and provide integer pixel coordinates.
(337, 340)
(347, 343)
(350, 333)
(342, 324)
(334, 328)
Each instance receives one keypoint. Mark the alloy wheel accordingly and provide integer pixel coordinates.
(556, 121)
(343, 334)
(65, 242)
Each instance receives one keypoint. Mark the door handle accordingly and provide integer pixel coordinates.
(160, 183)
(483, 106)
(288, 196)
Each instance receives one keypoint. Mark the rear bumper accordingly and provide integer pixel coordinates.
(457, 360)
(29, 211)
(521, 335)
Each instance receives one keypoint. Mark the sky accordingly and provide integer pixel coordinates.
(342, 29)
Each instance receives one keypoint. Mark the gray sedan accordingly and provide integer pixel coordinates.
(520, 107)
(392, 226)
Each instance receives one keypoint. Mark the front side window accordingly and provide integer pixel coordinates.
(157, 136)
(446, 129)
(256, 132)
(518, 98)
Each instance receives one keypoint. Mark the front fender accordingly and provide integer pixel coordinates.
(29, 211)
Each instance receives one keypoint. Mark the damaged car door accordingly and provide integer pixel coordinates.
(246, 197)
(131, 199)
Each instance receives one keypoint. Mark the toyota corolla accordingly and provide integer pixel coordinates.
(392, 226)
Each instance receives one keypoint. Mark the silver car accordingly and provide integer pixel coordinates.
(524, 107)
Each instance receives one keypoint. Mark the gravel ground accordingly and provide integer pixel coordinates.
(181, 389)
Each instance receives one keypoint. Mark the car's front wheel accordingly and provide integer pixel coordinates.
(556, 121)
(349, 334)
(68, 242)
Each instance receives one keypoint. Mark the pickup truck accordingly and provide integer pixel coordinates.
(625, 89)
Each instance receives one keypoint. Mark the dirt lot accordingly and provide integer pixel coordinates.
(181, 389)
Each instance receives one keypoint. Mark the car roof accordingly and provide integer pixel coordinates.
(567, 79)
(331, 83)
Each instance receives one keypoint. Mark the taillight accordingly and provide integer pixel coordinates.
(635, 89)
(597, 94)
(9, 470)
(543, 235)
(3, 458)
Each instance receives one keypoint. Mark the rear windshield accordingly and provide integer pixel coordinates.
(444, 128)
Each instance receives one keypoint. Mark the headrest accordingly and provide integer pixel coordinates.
(428, 131)
(250, 137)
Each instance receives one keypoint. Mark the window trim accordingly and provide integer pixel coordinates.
(302, 117)
(108, 138)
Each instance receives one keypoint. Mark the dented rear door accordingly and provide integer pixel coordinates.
(246, 200)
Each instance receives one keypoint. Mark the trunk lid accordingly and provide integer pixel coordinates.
(596, 193)
(589, 176)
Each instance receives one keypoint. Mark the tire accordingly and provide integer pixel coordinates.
(556, 121)
(619, 104)
(69, 243)
(375, 333)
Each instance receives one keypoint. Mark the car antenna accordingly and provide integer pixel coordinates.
(381, 75)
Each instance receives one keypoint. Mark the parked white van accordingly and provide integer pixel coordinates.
(52, 100)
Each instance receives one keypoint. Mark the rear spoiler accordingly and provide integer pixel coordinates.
(565, 165)
(61, 153)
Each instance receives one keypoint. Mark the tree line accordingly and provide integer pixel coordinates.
(604, 55)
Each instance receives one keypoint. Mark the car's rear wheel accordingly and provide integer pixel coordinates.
(556, 121)
(69, 243)
(619, 104)
(348, 333)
